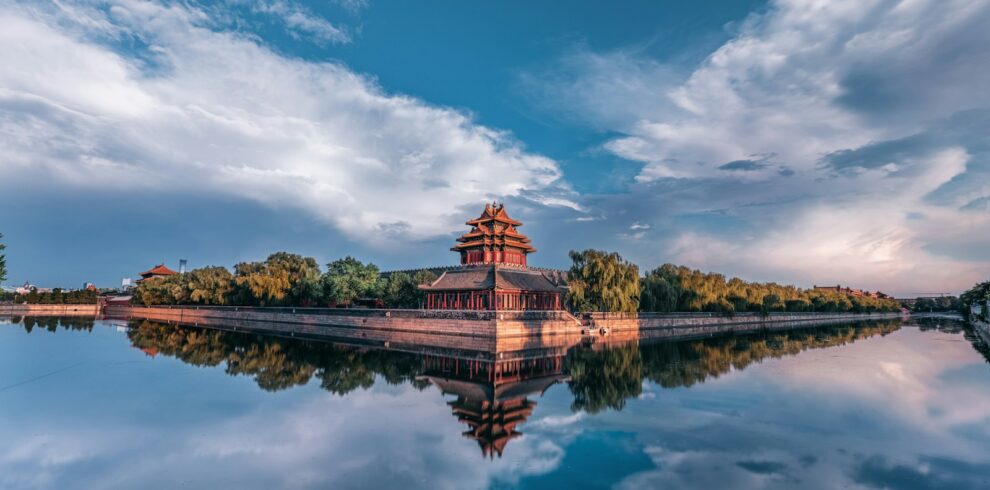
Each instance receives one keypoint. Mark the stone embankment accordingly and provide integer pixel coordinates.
(657, 326)
(405, 329)
(49, 310)
(468, 331)
(477, 330)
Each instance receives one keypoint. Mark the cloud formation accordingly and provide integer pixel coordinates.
(142, 96)
(825, 141)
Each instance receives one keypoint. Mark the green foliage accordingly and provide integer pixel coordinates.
(400, 290)
(283, 279)
(670, 288)
(57, 297)
(207, 286)
(601, 281)
(944, 303)
(3, 262)
(978, 295)
(161, 291)
(348, 278)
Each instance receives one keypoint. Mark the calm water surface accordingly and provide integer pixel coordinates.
(95, 404)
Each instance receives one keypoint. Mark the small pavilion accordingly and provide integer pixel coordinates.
(157, 271)
(494, 274)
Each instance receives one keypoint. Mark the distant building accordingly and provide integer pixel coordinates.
(27, 287)
(155, 272)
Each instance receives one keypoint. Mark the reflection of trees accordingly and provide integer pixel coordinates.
(686, 363)
(605, 379)
(277, 363)
(52, 323)
(979, 339)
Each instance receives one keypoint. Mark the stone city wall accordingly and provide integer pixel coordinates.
(477, 330)
(404, 329)
(692, 325)
(49, 310)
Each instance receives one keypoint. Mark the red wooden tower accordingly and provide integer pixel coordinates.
(494, 274)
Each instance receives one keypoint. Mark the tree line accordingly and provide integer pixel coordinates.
(602, 281)
(57, 296)
(944, 303)
(978, 295)
(286, 279)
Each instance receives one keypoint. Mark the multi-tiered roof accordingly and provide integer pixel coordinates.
(493, 274)
(493, 239)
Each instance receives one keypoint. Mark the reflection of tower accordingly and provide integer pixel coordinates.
(492, 396)
(493, 424)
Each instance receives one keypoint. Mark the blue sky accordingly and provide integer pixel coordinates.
(794, 141)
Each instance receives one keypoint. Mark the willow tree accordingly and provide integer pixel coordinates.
(661, 290)
(601, 281)
(208, 285)
(283, 279)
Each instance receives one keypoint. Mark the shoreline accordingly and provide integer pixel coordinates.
(472, 332)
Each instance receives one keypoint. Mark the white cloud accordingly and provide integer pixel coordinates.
(818, 136)
(382, 437)
(186, 108)
(300, 21)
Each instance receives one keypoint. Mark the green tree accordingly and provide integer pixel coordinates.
(348, 278)
(400, 290)
(601, 281)
(677, 288)
(166, 290)
(976, 296)
(771, 302)
(209, 285)
(283, 279)
(661, 290)
(3, 262)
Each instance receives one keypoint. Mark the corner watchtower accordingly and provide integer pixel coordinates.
(493, 239)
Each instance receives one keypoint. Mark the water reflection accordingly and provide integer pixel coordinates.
(53, 323)
(492, 394)
(855, 409)
(277, 363)
(493, 397)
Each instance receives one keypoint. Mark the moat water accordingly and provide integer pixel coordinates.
(108, 404)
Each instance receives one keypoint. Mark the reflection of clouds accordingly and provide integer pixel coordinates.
(893, 412)
(555, 421)
(904, 372)
(369, 439)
